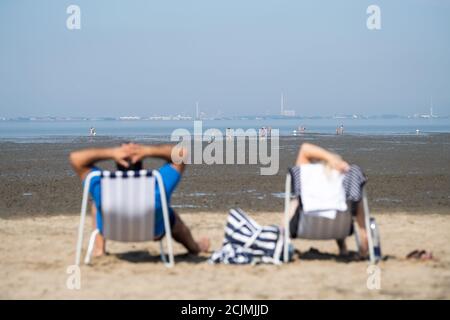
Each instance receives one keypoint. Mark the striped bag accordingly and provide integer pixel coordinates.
(246, 242)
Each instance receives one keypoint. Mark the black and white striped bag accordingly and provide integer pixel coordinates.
(246, 242)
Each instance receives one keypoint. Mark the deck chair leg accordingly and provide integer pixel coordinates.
(368, 230)
(83, 216)
(161, 252)
(357, 237)
(79, 241)
(87, 259)
(287, 196)
(165, 210)
(171, 262)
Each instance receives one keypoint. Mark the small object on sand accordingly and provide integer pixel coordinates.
(420, 255)
(27, 194)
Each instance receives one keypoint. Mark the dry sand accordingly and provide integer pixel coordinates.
(35, 252)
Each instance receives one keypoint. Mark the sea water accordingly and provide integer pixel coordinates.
(63, 131)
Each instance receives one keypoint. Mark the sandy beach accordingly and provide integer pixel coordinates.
(409, 183)
(35, 252)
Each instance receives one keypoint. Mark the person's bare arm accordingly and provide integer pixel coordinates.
(82, 161)
(310, 152)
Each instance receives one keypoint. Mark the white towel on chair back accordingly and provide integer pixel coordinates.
(322, 190)
(128, 207)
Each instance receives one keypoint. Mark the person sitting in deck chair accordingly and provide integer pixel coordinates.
(129, 156)
(351, 192)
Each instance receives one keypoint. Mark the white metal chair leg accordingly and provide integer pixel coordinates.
(83, 215)
(287, 199)
(87, 258)
(161, 252)
(357, 237)
(165, 210)
(368, 230)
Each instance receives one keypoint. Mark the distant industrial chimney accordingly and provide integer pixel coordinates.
(282, 104)
(197, 111)
(285, 112)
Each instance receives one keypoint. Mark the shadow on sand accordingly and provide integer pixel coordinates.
(352, 256)
(314, 254)
(143, 256)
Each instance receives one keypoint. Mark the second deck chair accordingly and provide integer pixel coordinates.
(128, 210)
(321, 228)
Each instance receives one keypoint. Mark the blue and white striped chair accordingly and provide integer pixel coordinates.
(128, 210)
(315, 227)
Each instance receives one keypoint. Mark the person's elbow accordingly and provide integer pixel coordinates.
(75, 161)
(305, 147)
(303, 154)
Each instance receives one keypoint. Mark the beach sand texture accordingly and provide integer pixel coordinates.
(35, 252)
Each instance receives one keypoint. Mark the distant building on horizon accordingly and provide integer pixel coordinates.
(430, 115)
(285, 112)
(127, 118)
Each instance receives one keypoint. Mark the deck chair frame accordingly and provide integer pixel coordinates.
(287, 201)
(84, 204)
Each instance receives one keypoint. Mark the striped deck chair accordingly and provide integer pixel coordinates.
(316, 227)
(128, 210)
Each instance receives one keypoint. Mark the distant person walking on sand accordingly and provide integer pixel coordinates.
(129, 157)
(340, 130)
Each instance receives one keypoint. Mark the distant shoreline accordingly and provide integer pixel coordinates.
(230, 118)
(63, 131)
(166, 138)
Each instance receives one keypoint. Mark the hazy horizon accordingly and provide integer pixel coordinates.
(146, 57)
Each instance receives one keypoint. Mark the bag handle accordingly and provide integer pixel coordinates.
(253, 238)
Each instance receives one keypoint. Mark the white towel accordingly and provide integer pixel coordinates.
(329, 214)
(322, 190)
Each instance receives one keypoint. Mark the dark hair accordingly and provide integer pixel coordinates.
(131, 166)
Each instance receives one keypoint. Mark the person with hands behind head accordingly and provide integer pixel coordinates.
(310, 153)
(130, 156)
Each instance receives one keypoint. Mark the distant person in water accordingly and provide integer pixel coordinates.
(129, 157)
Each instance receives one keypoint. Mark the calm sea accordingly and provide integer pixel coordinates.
(57, 131)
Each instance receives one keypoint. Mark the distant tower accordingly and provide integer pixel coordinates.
(285, 112)
(197, 111)
(431, 108)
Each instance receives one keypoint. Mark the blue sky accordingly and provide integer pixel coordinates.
(159, 57)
